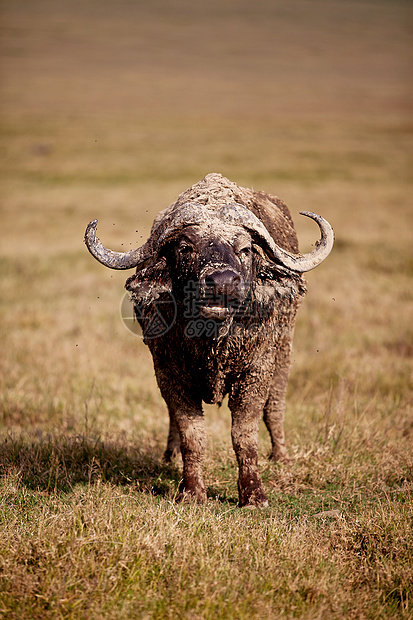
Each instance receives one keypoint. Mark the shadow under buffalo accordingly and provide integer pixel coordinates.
(57, 463)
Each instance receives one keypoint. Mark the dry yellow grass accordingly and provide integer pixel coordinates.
(109, 110)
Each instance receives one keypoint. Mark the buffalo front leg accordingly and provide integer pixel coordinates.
(187, 426)
(193, 442)
(274, 409)
(245, 422)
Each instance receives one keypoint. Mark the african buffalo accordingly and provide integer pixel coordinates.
(221, 277)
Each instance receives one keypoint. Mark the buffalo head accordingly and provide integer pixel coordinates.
(221, 250)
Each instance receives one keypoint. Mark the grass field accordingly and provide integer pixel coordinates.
(110, 110)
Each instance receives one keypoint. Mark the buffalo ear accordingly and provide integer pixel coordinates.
(148, 283)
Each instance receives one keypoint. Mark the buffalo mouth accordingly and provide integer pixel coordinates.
(219, 306)
(214, 312)
(218, 295)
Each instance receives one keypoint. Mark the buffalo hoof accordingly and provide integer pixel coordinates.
(280, 455)
(256, 506)
(250, 489)
(171, 454)
(191, 497)
(255, 498)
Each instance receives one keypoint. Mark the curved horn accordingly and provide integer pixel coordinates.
(114, 260)
(323, 246)
(238, 214)
(185, 215)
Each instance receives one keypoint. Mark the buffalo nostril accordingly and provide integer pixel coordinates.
(220, 280)
(209, 282)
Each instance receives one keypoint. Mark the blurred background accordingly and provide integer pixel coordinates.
(111, 109)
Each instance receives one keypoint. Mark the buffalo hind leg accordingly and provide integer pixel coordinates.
(173, 447)
(274, 409)
(244, 433)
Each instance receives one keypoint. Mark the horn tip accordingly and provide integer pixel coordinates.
(90, 232)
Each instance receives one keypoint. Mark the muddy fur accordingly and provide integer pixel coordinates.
(248, 354)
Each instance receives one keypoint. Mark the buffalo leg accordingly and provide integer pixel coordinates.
(244, 433)
(275, 406)
(190, 423)
(186, 417)
(173, 447)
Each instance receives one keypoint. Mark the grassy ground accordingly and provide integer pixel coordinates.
(109, 110)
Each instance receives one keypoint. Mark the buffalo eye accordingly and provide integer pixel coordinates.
(185, 249)
(244, 252)
(242, 246)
